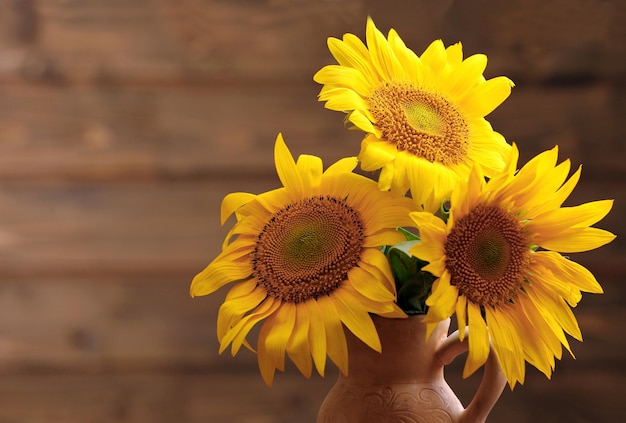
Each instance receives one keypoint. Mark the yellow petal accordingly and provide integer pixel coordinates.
(356, 44)
(575, 241)
(386, 308)
(556, 312)
(465, 75)
(383, 58)
(344, 100)
(281, 325)
(345, 165)
(429, 223)
(461, 315)
(369, 287)
(232, 202)
(310, 169)
(286, 166)
(435, 55)
(317, 335)
(387, 179)
(506, 343)
(238, 333)
(478, 340)
(298, 344)
(375, 153)
(382, 238)
(363, 122)
(227, 317)
(376, 263)
(266, 364)
(484, 98)
(455, 54)
(565, 218)
(335, 337)
(431, 183)
(344, 77)
(231, 310)
(348, 54)
(541, 345)
(356, 320)
(218, 274)
(442, 301)
(409, 61)
(567, 272)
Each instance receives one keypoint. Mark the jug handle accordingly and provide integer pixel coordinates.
(491, 385)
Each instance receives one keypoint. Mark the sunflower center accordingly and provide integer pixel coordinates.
(487, 255)
(307, 248)
(420, 122)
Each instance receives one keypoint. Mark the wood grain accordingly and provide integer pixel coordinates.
(123, 125)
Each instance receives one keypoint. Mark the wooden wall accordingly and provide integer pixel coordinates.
(124, 123)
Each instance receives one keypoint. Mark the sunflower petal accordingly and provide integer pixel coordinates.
(232, 202)
(218, 274)
(575, 241)
(461, 315)
(237, 335)
(310, 169)
(345, 165)
(442, 301)
(565, 218)
(282, 324)
(567, 272)
(298, 347)
(336, 344)
(363, 122)
(484, 98)
(478, 340)
(351, 56)
(357, 320)
(506, 343)
(369, 287)
(342, 76)
(286, 166)
(383, 58)
(317, 336)
(376, 154)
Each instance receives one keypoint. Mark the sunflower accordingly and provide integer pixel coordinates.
(499, 265)
(423, 115)
(305, 259)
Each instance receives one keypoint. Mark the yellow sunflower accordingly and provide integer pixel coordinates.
(499, 265)
(423, 115)
(305, 259)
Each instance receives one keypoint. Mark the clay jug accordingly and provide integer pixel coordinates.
(405, 383)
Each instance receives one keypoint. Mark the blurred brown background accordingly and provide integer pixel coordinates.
(124, 123)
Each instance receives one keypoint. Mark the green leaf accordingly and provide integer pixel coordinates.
(413, 293)
(413, 285)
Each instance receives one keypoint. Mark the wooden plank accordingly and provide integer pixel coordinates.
(151, 229)
(149, 323)
(108, 324)
(583, 121)
(159, 133)
(94, 230)
(554, 42)
(90, 134)
(159, 398)
(152, 41)
(580, 396)
(156, 41)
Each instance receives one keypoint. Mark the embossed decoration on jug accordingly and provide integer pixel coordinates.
(385, 404)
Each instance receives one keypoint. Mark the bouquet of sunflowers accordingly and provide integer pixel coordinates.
(452, 225)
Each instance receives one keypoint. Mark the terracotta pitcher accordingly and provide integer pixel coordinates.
(405, 383)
